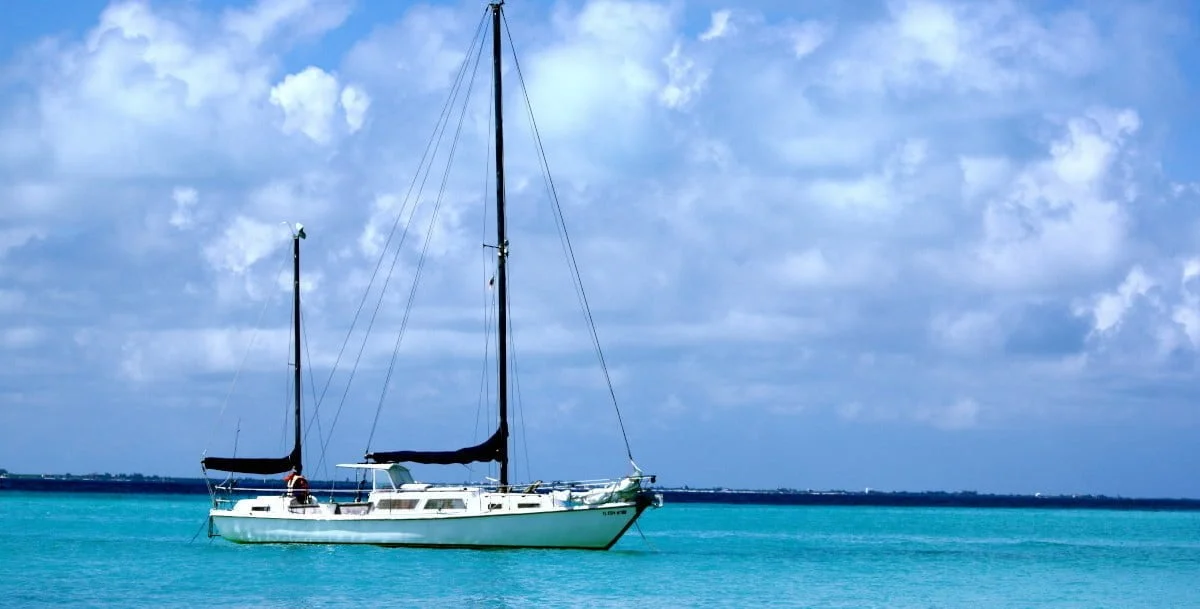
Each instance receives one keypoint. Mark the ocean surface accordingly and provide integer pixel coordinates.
(107, 550)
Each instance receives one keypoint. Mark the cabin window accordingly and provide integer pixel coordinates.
(397, 504)
(445, 504)
(521, 506)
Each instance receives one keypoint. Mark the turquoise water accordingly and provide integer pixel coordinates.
(126, 551)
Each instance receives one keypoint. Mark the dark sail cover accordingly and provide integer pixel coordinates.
(244, 465)
(490, 450)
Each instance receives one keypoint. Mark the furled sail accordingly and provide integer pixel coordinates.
(491, 449)
(250, 465)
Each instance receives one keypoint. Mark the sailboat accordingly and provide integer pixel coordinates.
(400, 511)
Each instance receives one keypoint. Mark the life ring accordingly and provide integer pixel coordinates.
(297, 487)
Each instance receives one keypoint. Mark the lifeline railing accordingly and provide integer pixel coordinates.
(229, 487)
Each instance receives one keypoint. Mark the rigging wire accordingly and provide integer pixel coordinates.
(565, 238)
(237, 434)
(202, 525)
(428, 238)
(485, 385)
(245, 357)
(430, 144)
(287, 392)
(520, 405)
(485, 379)
(489, 295)
(313, 387)
(644, 538)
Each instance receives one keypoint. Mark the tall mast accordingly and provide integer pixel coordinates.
(502, 251)
(297, 460)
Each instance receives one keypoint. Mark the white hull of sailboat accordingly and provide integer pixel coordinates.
(593, 527)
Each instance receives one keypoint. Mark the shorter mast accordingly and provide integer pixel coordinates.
(294, 461)
(297, 460)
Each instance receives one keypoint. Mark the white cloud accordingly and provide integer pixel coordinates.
(185, 199)
(308, 100)
(957, 415)
(355, 103)
(807, 267)
(814, 269)
(14, 238)
(244, 242)
(375, 233)
(989, 48)
(149, 356)
(984, 176)
(824, 150)
(1187, 312)
(1151, 316)
(306, 198)
(875, 192)
(870, 191)
(968, 333)
(1109, 309)
(1060, 216)
(420, 54)
(268, 18)
(139, 72)
(961, 414)
(808, 37)
(720, 26)
(600, 78)
(684, 79)
(735, 326)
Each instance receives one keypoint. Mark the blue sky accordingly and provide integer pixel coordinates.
(899, 245)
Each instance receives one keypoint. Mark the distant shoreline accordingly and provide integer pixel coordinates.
(155, 485)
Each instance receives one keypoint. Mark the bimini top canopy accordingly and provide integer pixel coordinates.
(397, 473)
